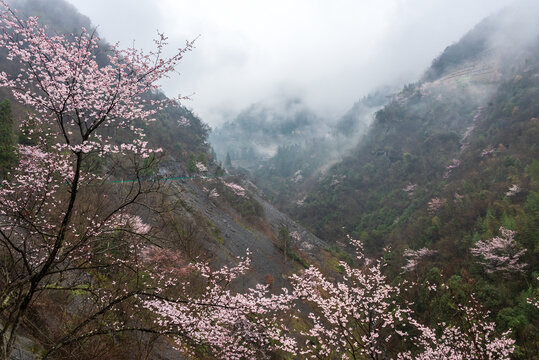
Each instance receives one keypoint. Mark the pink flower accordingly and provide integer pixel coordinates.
(500, 254)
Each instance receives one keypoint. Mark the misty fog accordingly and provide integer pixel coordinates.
(328, 54)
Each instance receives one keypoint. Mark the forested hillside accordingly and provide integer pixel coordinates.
(287, 148)
(450, 162)
(122, 237)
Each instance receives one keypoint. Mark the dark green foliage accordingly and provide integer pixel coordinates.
(149, 166)
(179, 132)
(284, 240)
(411, 145)
(219, 170)
(228, 162)
(7, 139)
(192, 164)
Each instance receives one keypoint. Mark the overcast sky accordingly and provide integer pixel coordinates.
(329, 53)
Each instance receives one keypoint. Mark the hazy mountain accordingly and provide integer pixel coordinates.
(285, 145)
(447, 162)
(441, 164)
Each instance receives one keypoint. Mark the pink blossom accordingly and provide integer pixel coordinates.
(233, 325)
(513, 190)
(500, 254)
(213, 193)
(183, 121)
(455, 163)
(413, 257)
(487, 151)
(435, 204)
(410, 188)
(236, 189)
(201, 167)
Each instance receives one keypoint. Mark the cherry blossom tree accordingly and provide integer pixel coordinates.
(357, 317)
(475, 339)
(435, 204)
(500, 254)
(61, 230)
(410, 188)
(455, 163)
(513, 190)
(56, 216)
(236, 189)
(361, 317)
(226, 324)
(414, 257)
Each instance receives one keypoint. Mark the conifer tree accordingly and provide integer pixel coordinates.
(228, 161)
(7, 153)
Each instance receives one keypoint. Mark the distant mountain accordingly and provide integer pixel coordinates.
(287, 145)
(255, 134)
(446, 163)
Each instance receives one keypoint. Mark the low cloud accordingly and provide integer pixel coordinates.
(329, 54)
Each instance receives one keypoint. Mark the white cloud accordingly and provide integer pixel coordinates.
(328, 52)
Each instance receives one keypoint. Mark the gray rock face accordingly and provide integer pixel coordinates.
(304, 240)
(20, 354)
(267, 258)
(23, 350)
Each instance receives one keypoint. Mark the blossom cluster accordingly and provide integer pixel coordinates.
(233, 325)
(201, 167)
(435, 204)
(413, 257)
(513, 190)
(487, 151)
(236, 189)
(455, 163)
(410, 188)
(500, 254)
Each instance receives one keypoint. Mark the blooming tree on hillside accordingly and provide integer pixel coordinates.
(500, 254)
(455, 163)
(54, 225)
(228, 324)
(236, 189)
(513, 190)
(413, 257)
(474, 339)
(435, 204)
(356, 317)
(361, 317)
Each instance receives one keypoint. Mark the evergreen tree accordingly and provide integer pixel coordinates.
(284, 239)
(192, 165)
(228, 162)
(7, 145)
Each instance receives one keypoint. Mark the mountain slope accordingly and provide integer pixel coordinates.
(445, 164)
(187, 222)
